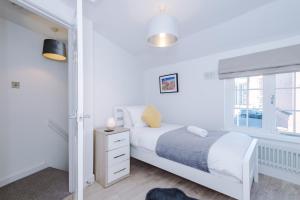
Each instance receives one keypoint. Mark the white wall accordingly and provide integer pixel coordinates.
(199, 101)
(26, 141)
(117, 79)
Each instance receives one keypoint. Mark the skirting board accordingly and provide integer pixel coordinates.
(89, 180)
(280, 174)
(23, 173)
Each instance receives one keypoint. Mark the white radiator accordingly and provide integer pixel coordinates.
(279, 160)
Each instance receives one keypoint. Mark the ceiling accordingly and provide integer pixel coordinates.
(125, 21)
(31, 21)
(205, 26)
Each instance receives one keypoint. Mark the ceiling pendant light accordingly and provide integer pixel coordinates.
(54, 50)
(163, 30)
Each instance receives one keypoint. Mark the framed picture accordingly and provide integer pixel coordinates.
(168, 83)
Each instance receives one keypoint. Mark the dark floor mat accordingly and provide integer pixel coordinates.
(48, 184)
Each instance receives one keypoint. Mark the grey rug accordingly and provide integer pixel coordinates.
(48, 184)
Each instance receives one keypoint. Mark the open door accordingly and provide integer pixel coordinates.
(80, 115)
(76, 108)
(75, 60)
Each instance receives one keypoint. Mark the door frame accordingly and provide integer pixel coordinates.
(72, 87)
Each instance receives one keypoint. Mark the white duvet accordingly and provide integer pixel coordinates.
(225, 155)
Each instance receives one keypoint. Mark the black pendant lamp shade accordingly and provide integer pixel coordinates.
(54, 50)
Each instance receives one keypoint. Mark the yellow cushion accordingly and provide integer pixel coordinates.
(152, 117)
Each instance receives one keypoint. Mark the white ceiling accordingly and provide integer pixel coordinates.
(275, 21)
(125, 21)
(31, 21)
(206, 26)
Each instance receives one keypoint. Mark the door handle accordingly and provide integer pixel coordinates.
(84, 116)
(73, 116)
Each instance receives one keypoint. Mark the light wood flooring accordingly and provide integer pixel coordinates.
(145, 177)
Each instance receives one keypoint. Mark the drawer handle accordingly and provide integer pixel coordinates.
(119, 140)
(119, 171)
(120, 155)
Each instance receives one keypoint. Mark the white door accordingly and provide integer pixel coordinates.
(75, 59)
(80, 115)
(72, 82)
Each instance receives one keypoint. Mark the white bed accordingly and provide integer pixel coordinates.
(235, 182)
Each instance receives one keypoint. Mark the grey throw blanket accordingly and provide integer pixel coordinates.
(187, 148)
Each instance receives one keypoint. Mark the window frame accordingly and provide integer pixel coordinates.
(294, 88)
(229, 107)
(247, 105)
(269, 109)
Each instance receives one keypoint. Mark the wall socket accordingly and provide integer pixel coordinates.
(15, 84)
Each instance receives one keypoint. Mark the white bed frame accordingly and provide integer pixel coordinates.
(223, 184)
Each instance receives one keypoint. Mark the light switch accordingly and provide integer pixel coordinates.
(209, 75)
(15, 84)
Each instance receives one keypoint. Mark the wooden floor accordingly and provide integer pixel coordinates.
(145, 177)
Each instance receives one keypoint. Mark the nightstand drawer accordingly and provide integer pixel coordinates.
(118, 155)
(117, 140)
(118, 171)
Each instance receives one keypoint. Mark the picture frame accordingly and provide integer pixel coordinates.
(168, 83)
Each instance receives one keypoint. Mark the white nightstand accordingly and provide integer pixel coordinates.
(112, 155)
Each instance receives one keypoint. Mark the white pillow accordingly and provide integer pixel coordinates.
(127, 118)
(136, 113)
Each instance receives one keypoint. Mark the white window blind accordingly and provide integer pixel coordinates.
(276, 61)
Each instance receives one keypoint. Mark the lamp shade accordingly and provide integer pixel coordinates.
(163, 31)
(111, 123)
(54, 50)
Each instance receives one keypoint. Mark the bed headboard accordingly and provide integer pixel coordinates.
(119, 115)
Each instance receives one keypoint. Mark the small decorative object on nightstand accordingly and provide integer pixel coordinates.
(110, 124)
(112, 156)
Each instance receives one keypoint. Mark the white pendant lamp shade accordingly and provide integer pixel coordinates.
(163, 31)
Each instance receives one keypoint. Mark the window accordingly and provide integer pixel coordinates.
(288, 102)
(248, 102)
(267, 103)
